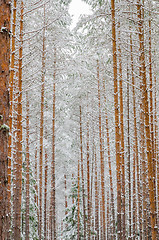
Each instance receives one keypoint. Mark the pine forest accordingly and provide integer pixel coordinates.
(79, 120)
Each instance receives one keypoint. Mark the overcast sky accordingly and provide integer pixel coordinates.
(78, 7)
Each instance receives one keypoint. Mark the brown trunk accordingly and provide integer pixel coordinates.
(96, 200)
(45, 191)
(53, 203)
(154, 160)
(101, 220)
(144, 178)
(12, 71)
(109, 163)
(108, 217)
(122, 138)
(101, 157)
(73, 200)
(128, 161)
(27, 171)
(41, 132)
(134, 198)
(15, 162)
(136, 154)
(66, 204)
(18, 191)
(36, 187)
(4, 115)
(140, 12)
(78, 202)
(117, 132)
(156, 145)
(82, 175)
(88, 187)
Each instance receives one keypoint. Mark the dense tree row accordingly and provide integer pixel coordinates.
(82, 127)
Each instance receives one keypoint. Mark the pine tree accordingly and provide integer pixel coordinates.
(4, 115)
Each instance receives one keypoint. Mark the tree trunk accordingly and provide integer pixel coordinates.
(4, 115)
(18, 189)
(140, 12)
(53, 202)
(128, 161)
(78, 203)
(101, 157)
(27, 171)
(11, 83)
(122, 138)
(109, 163)
(88, 186)
(96, 200)
(41, 132)
(45, 192)
(82, 175)
(117, 132)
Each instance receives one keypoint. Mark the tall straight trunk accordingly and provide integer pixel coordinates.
(4, 115)
(128, 161)
(41, 132)
(45, 191)
(82, 175)
(154, 160)
(101, 219)
(101, 157)
(27, 171)
(156, 145)
(122, 137)
(78, 203)
(136, 154)
(108, 217)
(88, 187)
(66, 203)
(140, 12)
(73, 200)
(134, 198)
(36, 197)
(91, 191)
(156, 141)
(144, 179)
(109, 163)
(15, 162)
(11, 80)
(53, 203)
(96, 200)
(117, 130)
(18, 192)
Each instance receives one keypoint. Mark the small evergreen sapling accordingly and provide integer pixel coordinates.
(71, 219)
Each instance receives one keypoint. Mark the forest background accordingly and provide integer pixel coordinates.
(79, 120)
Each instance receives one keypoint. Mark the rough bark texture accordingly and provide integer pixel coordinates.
(117, 132)
(109, 163)
(140, 12)
(27, 172)
(82, 174)
(11, 84)
(101, 157)
(18, 186)
(41, 130)
(53, 206)
(4, 113)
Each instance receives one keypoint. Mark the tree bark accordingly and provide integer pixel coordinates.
(117, 130)
(27, 171)
(101, 157)
(18, 189)
(4, 114)
(140, 12)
